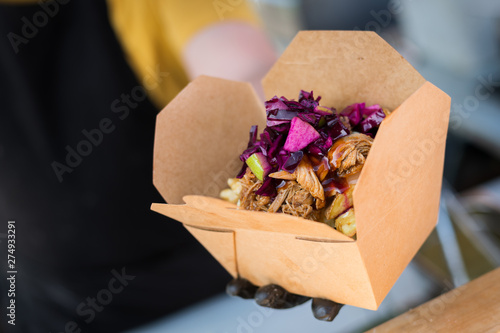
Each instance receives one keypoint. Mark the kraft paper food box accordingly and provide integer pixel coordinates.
(201, 133)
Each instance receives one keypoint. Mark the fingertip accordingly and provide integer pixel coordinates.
(241, 288)
(324, 309)
(271, 296)
(277, 297)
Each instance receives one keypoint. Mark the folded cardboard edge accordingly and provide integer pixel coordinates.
(413, 162)
(277, 222)
(226, 217)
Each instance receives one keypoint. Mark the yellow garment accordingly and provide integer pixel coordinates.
(153, 34)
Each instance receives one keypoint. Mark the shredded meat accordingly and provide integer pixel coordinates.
(282, 174)
(248, 199)
(320, 203)
(283, 193)
(291, 199)
(299, 202)
(301, 197)
(262, 201)
(347, 156)
(307, 178)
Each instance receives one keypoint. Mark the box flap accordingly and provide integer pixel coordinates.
(200, 135)
(397, 196)
(343, 67)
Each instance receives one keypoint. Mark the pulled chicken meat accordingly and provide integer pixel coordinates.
(291, 198)
(348, 154)
(294, 200)
(248, 199)
(307, 178)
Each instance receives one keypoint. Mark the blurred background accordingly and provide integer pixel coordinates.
(73, 243)
(455, 45)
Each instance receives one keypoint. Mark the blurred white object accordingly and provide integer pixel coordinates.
(281, 19)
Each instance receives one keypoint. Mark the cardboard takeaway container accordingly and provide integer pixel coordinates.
(200, 134)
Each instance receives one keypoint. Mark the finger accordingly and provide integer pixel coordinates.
(241, 288)
(276, 297)
(324, 309)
